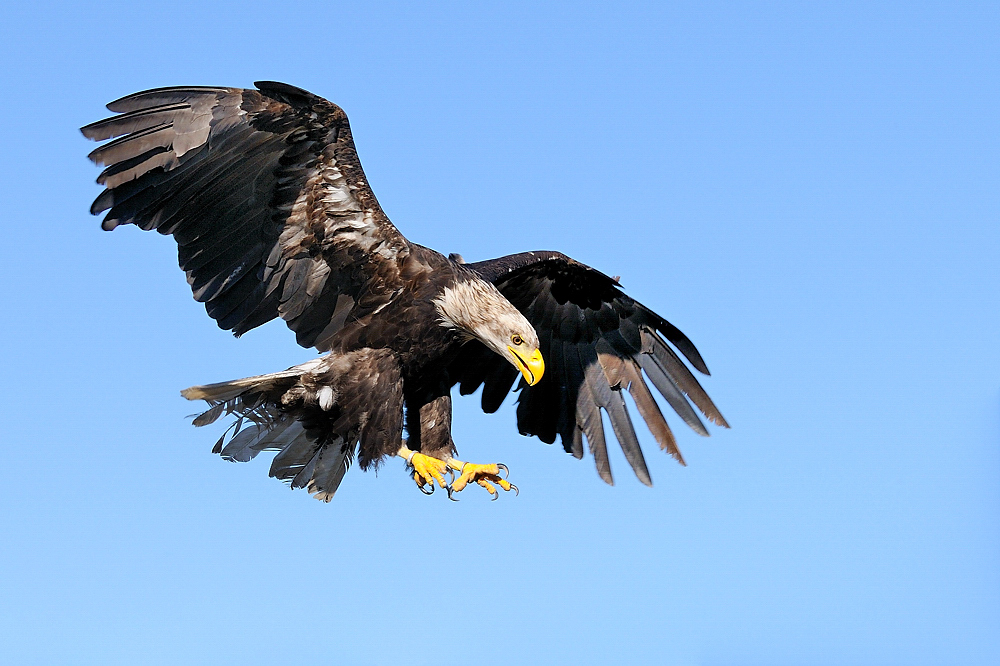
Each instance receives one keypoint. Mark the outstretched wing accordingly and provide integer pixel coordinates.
(596, 342)
(265, 196)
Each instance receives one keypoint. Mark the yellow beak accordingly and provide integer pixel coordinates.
(532, 367)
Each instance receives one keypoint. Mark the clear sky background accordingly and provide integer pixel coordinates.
(808, 190)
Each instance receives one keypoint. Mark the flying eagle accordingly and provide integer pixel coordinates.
(273, 217)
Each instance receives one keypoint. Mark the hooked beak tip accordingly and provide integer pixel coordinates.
(532, 368)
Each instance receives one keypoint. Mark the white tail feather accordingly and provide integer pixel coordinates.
(223, 391)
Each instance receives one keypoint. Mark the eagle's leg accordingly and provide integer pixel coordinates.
(429, 447)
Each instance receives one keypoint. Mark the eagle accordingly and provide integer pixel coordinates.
(273, 217)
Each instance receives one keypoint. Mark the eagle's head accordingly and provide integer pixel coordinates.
(476, 308)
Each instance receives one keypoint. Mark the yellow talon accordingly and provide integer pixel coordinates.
(471, 472)
(421, 483)
(489, 487)
(428, 470)
(483, 475)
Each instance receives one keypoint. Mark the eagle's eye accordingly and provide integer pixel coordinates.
(516, 339)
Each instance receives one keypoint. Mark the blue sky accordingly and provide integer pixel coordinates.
(808, 190)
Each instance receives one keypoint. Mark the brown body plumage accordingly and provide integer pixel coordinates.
(265, 196)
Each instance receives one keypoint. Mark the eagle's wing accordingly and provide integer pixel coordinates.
(265, 196)
(596, 342)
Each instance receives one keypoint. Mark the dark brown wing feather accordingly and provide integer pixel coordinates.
(265, 196)
(596, 342)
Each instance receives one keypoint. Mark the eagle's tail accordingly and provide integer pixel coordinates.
(313, 414)
(264, 423)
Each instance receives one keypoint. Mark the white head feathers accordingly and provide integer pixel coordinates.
(477, 308)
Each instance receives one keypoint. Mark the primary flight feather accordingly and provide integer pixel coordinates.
(273, 217)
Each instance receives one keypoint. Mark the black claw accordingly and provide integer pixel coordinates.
(516, 493)
(427, 492)
(496, 496)
(505, 470)
(450, 494)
